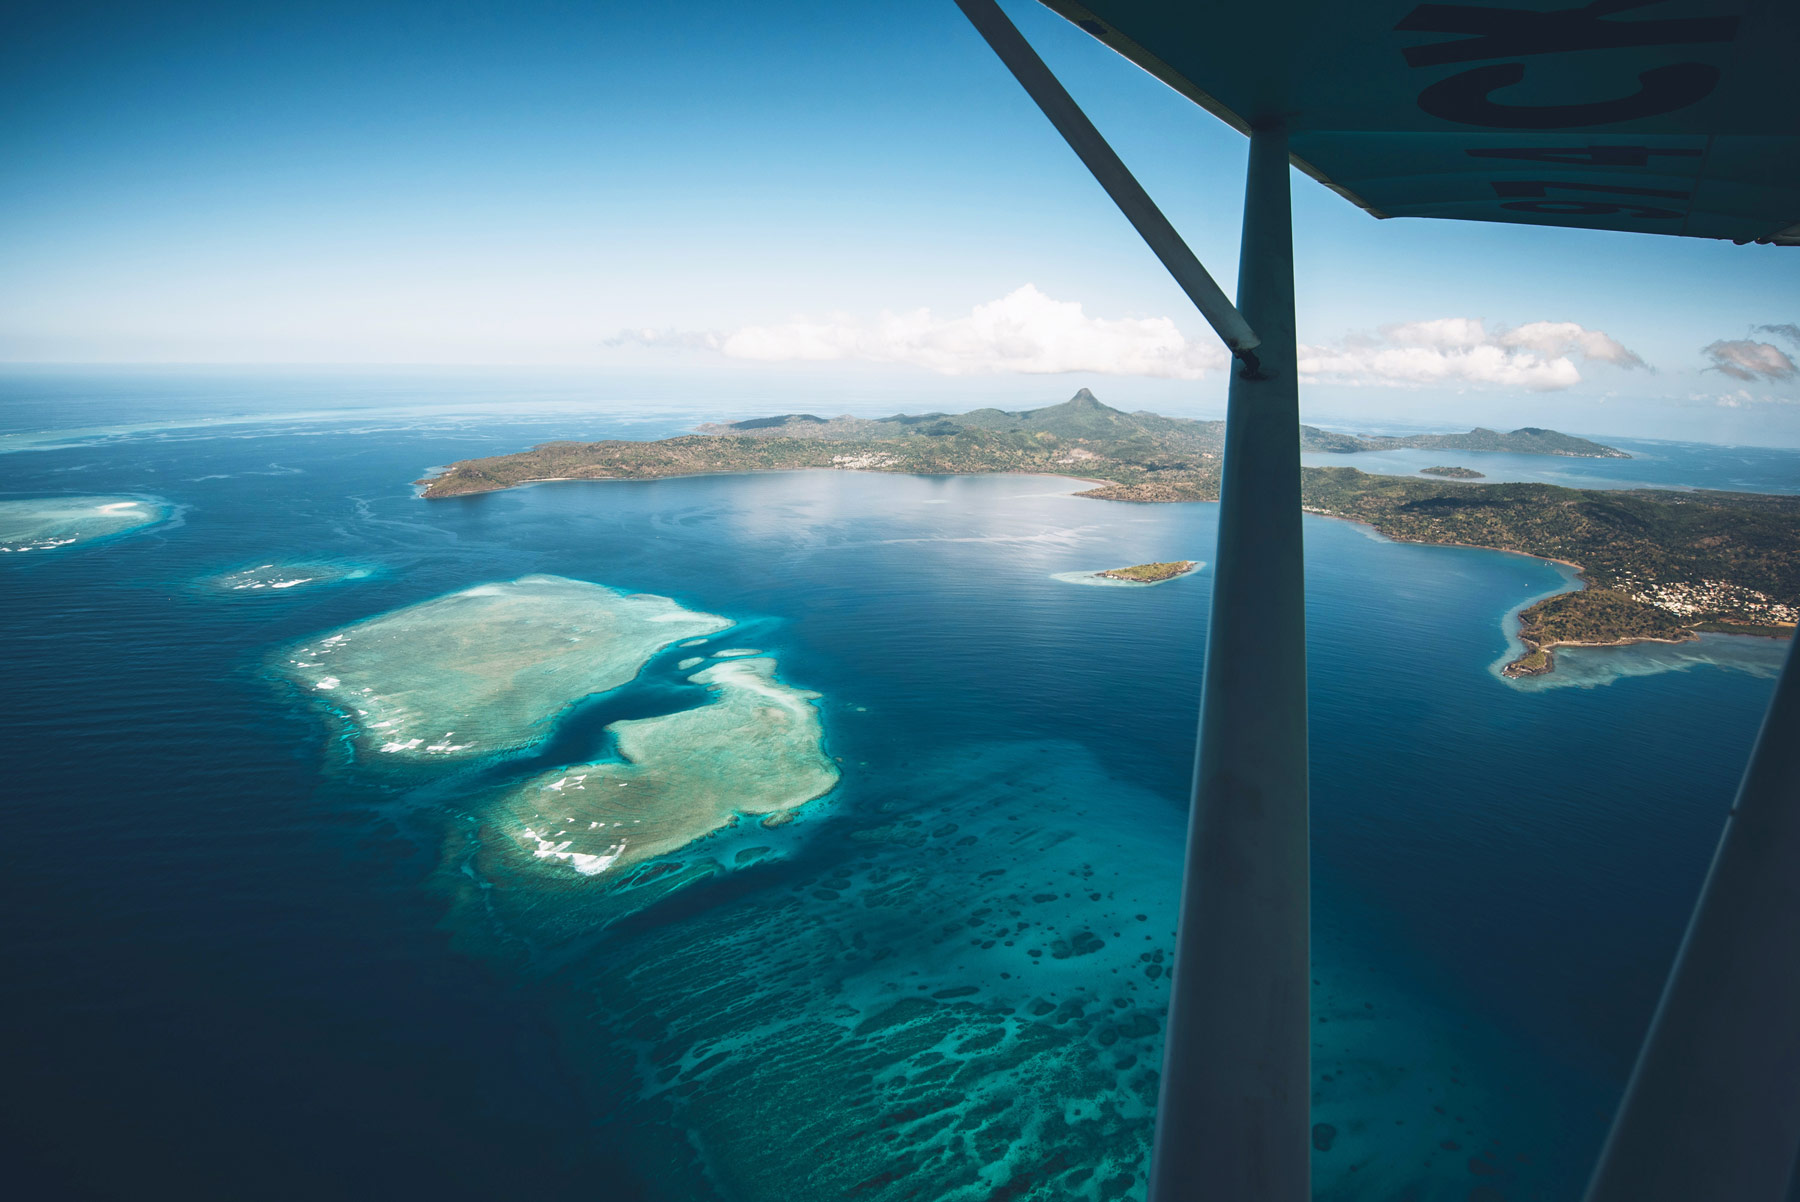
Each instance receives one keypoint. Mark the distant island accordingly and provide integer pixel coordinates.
(1526, 440)
(1656, 564)
(1151, 573)
(1453, 473)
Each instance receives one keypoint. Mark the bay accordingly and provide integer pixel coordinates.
(251, 965)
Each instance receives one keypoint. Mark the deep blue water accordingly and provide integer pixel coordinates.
(241, 965)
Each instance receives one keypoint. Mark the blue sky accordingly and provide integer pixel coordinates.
(831, 193)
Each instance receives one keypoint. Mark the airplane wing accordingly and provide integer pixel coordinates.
(1653, 116)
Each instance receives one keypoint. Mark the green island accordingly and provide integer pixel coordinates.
(1453, 473)
(1656, 564)
(1150, 573)
(1526, 440)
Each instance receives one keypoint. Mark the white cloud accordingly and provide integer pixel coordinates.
(1743, 359)
(1741, 398)
(1559, 339)
(1024, 331)
(1460, 350)
(707, 340)
(1030, 333)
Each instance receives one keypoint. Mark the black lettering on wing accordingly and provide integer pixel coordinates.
(1494, 32)
(1539, 187)
(1464, 98)
(1585, 208)
(1589, 208)
(1582, 156)
(1515, 33)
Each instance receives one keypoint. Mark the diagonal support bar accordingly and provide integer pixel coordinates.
(1713, 1107)
(1114, 176)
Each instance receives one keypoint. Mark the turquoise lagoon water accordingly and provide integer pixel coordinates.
(259, 963)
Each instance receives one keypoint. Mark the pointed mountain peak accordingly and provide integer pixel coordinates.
(1086, 398)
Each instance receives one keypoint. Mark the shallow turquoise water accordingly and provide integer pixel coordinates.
(256, 958)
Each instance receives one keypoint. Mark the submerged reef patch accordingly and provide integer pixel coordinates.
(957, 991)
(487, 668)
(47, 523)
(944, 986)
(754, 750)
(1593, 667)
(279, 576)
(482, 672)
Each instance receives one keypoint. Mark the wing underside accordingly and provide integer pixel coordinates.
(1652, 116)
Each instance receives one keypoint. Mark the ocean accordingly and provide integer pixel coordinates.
(249, 961)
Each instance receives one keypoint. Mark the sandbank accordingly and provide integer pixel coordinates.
(487, 668)
(755, 750)
(47, 523)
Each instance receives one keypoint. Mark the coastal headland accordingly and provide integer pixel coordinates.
(1656, 564)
